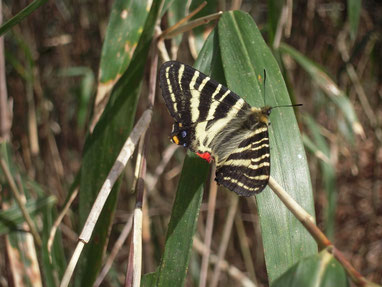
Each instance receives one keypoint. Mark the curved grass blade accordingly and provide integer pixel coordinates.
(323, 80)
(21, 15)
(101, 150)
(328, 177)
(245, 55)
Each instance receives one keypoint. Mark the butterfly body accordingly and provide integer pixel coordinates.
(211, 119)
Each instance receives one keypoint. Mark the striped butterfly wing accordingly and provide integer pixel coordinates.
(209, 118)
(246, 170)
(193, 97)
(200, 106)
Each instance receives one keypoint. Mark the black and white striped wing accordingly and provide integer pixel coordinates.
(192, 97)
(200, 106)
(246, 171)
(209, 118)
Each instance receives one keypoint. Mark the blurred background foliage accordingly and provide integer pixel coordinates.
(329, 53)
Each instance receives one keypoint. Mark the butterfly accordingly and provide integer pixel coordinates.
(217, 124)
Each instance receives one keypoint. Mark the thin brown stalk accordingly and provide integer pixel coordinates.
(280, 27)
(236, 4)
(317, 234)
(369, 112)
(117, 246)
(57, 222)
(231, 270)
(20, 201)
(191, 25)
(166, 156)
(288, 24)
(182, 21)
(225, 238)
(209, 228)
(244, 246)
(305, 218)
(32, 119)
(5, 111)
(134, 268)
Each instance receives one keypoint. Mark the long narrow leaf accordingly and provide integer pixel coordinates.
(328, 177)
(245, 56)
(123, 32)
(21, 15)
(173, 268)
(102, 148)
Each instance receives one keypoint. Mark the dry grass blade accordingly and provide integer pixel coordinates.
(166, 156)
(134, 269)
(191, 25)
(58, 221)
(5, 111)
(116, 248)
(165, 33)
(369, 112)
(120, 163)
(225, 237)
(233, 271)
(244, 246)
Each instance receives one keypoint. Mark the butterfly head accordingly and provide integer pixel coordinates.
(264, 114)
(180, 135)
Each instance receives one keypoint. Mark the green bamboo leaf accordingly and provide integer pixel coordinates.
(173, 268)
(354, 13)
(322, 79)
(184, 216)
(21, 15)
(320, 270)
(123, 32)
(101, 150)
(328, 177)
(245, 55)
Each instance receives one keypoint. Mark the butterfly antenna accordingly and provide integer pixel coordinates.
(287, 106)
(283, 106)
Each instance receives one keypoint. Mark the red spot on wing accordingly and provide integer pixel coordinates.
(205, 155)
